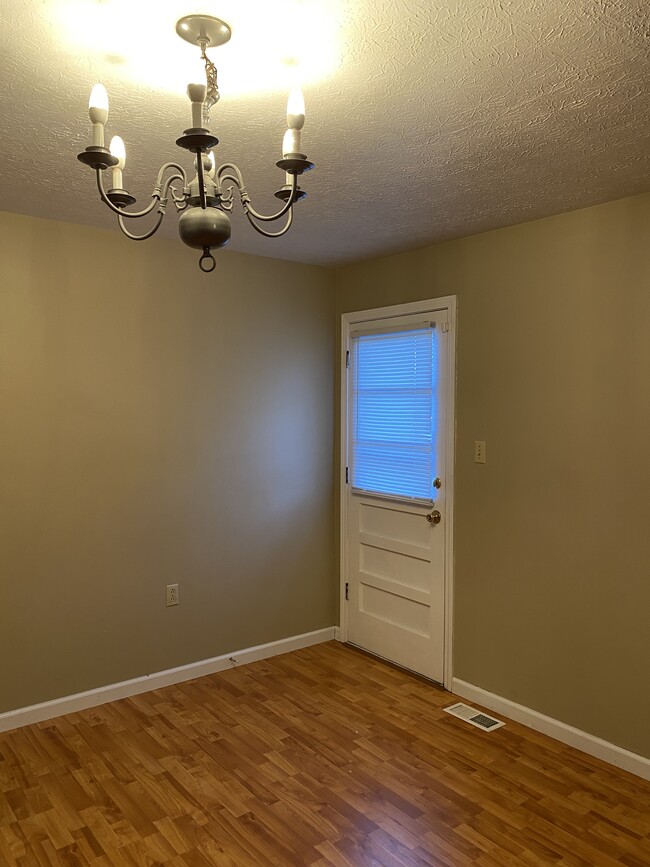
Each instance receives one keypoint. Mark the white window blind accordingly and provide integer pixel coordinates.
(392, 391)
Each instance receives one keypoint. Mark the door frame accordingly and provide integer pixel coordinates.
(355, 318)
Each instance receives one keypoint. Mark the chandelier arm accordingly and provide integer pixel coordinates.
(168, 186)
(180, 202)
(223, 174)
(179, 169)
(266, 234)
(232, 178)
(160, 191)
(236, 178)
(246, 202)
(155, 198)
(146, 235)
(227, 200)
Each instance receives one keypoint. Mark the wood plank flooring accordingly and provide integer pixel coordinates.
(320, 757)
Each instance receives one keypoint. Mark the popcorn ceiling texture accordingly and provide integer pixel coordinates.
(442, 119)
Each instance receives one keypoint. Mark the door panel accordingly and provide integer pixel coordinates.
(410, 570)
(395, 557)
(396, 589)
(384, 519)
(395, 610)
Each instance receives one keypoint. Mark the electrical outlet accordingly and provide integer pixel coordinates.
(172, 594)
(479, 451)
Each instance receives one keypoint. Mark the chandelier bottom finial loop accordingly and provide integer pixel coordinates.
(207, 262)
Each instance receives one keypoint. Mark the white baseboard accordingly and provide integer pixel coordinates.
(337, 633)
(590, 744)
(25, 716)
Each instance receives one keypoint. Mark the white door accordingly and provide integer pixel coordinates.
(396, 492)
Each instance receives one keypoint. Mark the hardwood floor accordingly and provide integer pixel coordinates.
(319, 757)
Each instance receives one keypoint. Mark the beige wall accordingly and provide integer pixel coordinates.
(553, 533)
(157, 425)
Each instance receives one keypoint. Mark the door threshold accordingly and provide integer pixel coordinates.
(396, 665)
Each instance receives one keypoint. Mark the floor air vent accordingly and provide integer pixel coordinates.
(474, 717)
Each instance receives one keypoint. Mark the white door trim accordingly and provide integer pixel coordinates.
(348, 320)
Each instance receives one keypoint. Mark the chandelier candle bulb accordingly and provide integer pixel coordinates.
(98, 113)
(118, 150)
(196, 93)
(295, 122)
(295, 109)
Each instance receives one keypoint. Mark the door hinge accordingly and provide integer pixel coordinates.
(444, 326)
(347, 475)
(347, 358)
(347, 591)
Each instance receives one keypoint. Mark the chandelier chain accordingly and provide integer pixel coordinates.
(212, 95)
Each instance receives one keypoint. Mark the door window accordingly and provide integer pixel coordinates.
(393, 406)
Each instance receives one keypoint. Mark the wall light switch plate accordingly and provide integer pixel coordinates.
(479, 451)
(172, 594)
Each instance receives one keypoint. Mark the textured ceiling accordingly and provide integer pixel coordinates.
(427, 120)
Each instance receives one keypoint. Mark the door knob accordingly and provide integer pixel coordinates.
(434, 517)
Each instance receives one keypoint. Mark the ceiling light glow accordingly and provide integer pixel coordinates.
(271, 41)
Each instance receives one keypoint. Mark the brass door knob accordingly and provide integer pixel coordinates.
(434, 517)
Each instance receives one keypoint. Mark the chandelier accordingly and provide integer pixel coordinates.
(205, 200)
